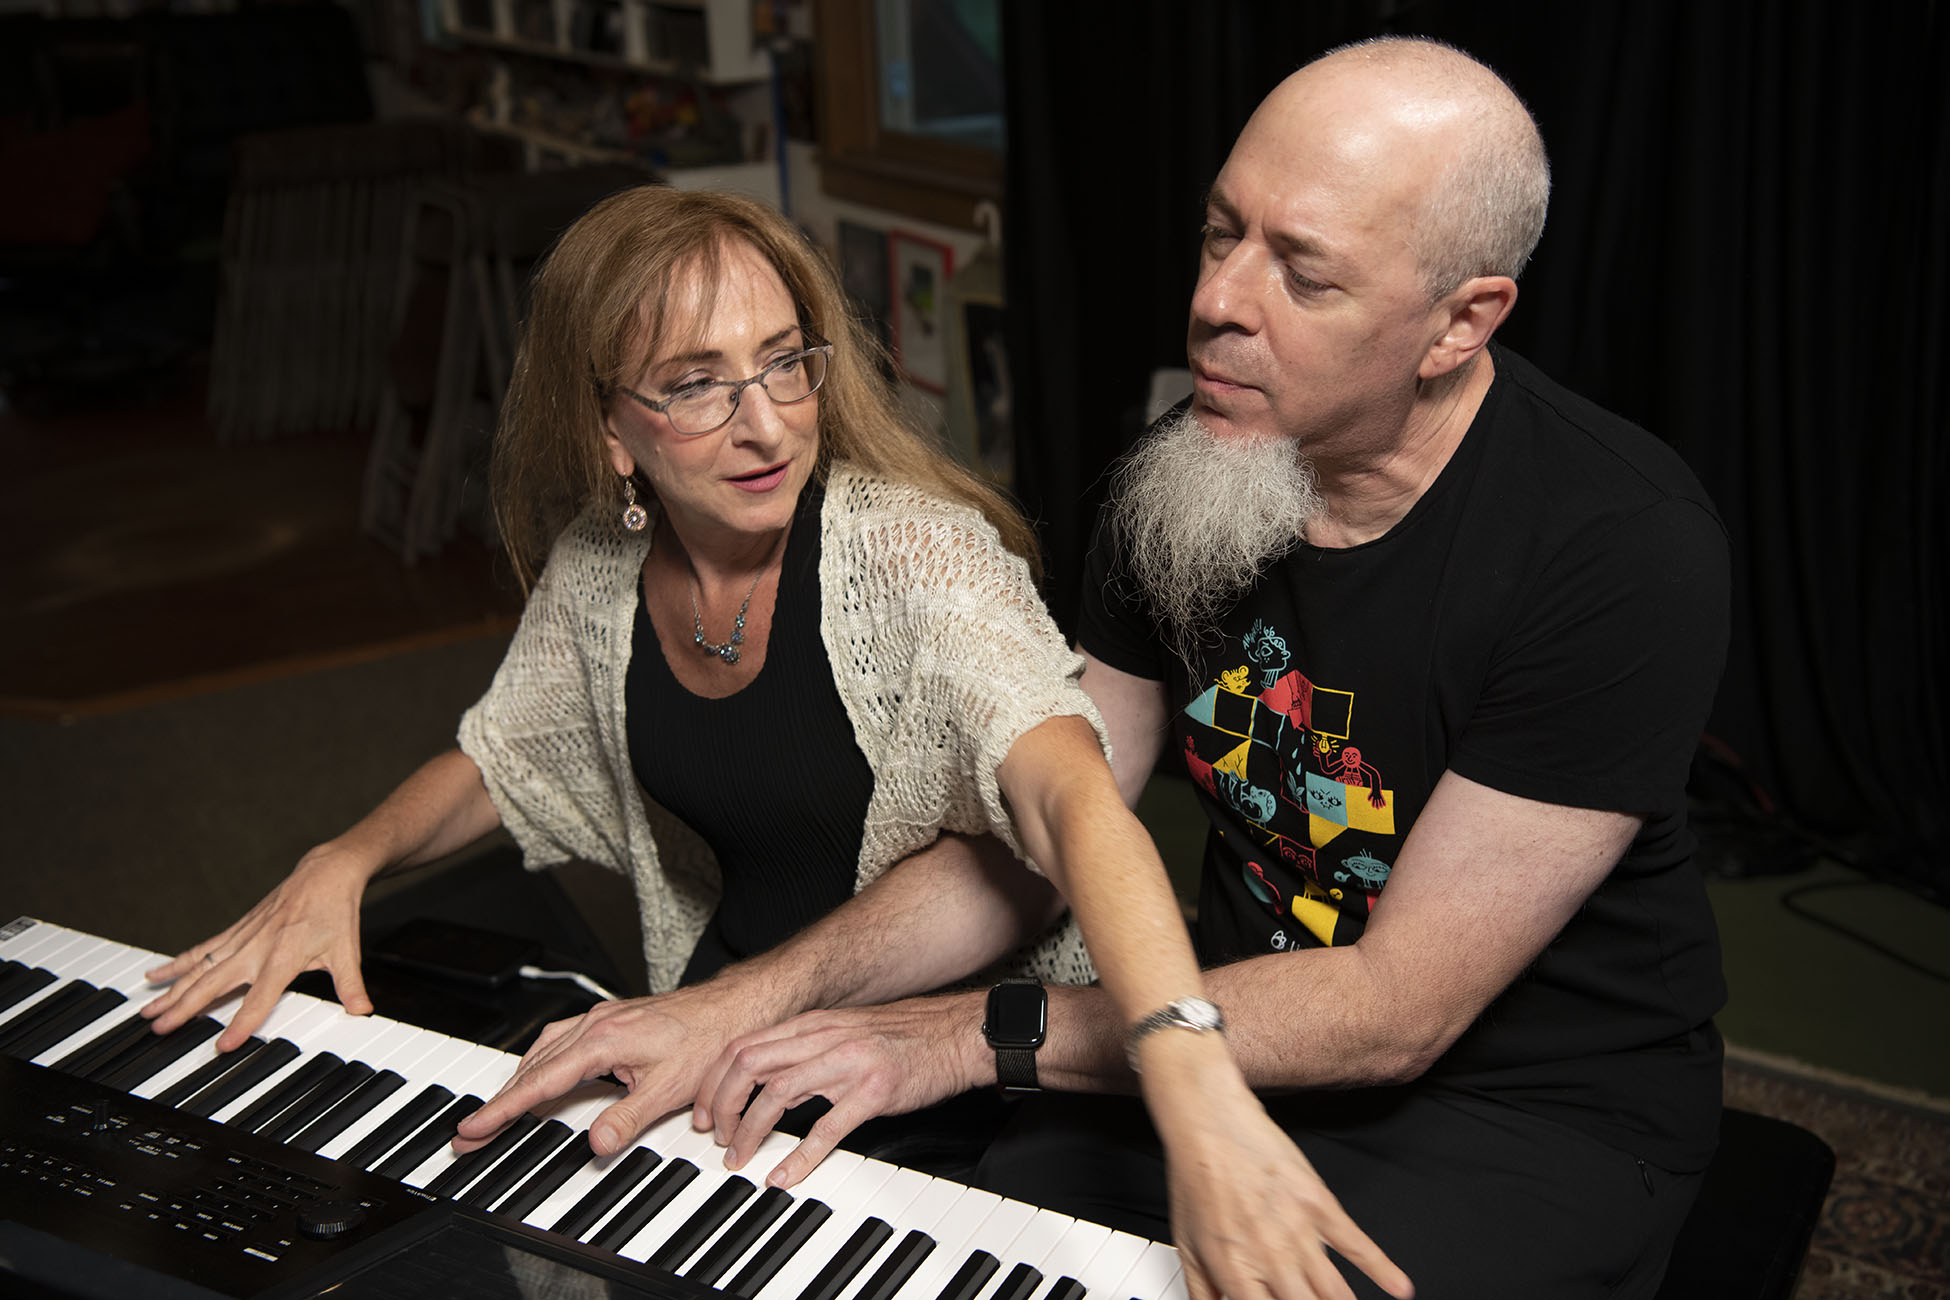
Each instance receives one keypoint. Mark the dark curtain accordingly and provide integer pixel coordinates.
(1748, 253)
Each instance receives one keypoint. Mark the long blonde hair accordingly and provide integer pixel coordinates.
(599, 306)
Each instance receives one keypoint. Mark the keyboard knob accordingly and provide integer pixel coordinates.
(327, 1219)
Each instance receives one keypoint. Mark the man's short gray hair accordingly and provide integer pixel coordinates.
(1486, 212)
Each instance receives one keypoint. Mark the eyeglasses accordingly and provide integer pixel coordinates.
(708, 405)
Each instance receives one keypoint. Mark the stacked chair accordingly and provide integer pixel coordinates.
(310, 248)
(466, 249)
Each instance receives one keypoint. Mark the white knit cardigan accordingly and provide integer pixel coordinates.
(941, 650)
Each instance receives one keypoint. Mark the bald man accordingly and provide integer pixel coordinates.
(1435, 640)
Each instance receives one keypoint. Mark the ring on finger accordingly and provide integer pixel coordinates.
(209, 959)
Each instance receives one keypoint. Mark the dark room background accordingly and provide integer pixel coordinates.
(1746, 254)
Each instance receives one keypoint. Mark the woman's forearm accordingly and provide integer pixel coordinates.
(441, 808)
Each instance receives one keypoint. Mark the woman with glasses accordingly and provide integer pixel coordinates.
(785, 667)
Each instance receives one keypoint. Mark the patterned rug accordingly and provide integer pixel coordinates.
(1885, 1229)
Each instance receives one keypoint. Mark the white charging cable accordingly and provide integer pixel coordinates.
(582, 981)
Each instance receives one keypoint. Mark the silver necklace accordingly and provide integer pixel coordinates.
(729, 650)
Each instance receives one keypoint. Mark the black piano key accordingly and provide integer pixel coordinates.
(11, 970)
(330, 1091)
(527, 1157)
(55, 1029)
(106, 1045)
(468, 1167)
(619, 1182)
(556, 1170)
(263, 1063)
(731, 1245)
(90, 1056)
(349, 1110)
(900, 1264)
(628, 1221)
(300, 1081)
(29, 1020)
(208, 1073)
(1065, 1288)
(850, 1259)
(413, 1152)
(708, 1218)
(23, 984)
(968, 1280)
(781, 1246)
(147, 1059)
(403, 1123)
(1020, 1284)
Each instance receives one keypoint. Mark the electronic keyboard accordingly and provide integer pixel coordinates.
(317, 1157)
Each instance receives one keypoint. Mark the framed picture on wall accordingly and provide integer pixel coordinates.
(917, 280)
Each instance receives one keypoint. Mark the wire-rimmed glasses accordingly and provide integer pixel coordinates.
(707, 405)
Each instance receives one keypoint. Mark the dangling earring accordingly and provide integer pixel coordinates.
(635, 517)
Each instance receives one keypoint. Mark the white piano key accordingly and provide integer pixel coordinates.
(891, 1203)
(772, 1148)
(90, 958)
(427, 1060)
(301, 1029)
(126, 979)
(686, 1143)
(406, 1047)
(580, 1105)
(283, 1015)
(1111, 1264)
(484, 1071)
(46, 946)
(187, 1064)
(578, 1185)
(1032, 1246)
(845, 1199)
(1070, 1255)
(980, 1221)
(929, 1213)
(327, 1029)
(1157, 1275)
(31, 933)
(659, 1137)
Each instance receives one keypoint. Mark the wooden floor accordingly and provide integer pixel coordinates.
(146, 561)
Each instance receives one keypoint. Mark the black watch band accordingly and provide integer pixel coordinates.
(1015, 1026)
(1015, 1070)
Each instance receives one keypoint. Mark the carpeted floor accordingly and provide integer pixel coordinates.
(1885, 1228)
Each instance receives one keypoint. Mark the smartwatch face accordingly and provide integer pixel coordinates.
(1018, 1016)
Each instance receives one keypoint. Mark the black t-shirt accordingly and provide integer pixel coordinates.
(1549, 620)
(770, 777)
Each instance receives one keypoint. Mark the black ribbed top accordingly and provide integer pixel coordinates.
(770, 777)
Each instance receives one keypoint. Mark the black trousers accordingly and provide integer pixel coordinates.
(1471, 1197)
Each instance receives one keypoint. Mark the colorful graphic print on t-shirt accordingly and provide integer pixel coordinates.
(1308, 817)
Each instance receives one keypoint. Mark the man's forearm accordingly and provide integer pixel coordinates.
(935, 917)
(1267, 1001)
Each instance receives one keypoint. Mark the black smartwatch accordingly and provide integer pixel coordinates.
(1016, 1025)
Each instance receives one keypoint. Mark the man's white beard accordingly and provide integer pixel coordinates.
(1197, 518)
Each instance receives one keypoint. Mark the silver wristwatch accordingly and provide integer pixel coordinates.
(1196, 1014)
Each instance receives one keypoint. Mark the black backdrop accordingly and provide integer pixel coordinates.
(1748, 253)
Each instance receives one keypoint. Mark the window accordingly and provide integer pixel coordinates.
(911, 105)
